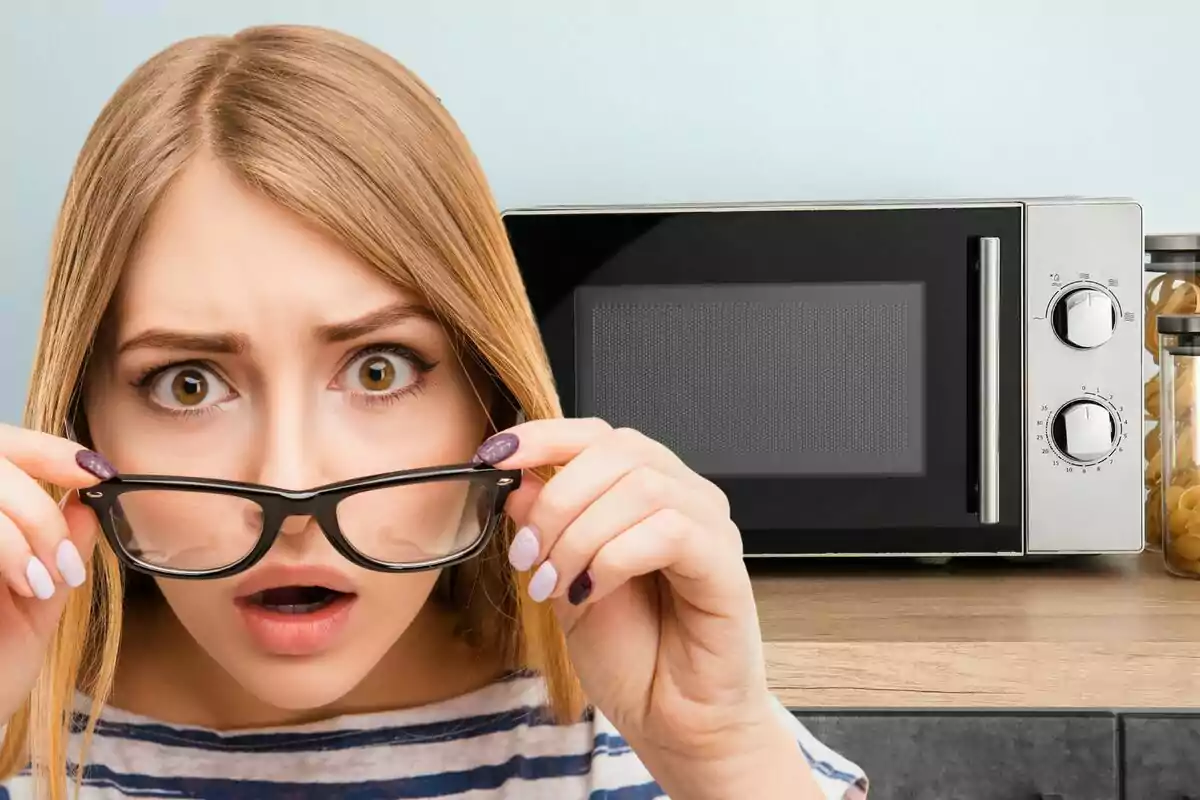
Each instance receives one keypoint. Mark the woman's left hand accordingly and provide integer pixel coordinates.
(644, 566)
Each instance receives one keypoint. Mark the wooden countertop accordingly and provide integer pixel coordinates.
(1095, 632)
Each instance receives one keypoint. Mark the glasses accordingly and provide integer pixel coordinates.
(408, 521)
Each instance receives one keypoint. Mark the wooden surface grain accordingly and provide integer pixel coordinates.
(1107, 632)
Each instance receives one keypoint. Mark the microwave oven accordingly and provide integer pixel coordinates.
(927, 378)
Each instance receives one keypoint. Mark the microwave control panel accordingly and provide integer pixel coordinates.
(1083, 357)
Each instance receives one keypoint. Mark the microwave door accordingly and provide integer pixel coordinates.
(841, 374)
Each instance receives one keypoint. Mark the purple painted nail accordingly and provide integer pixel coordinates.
(96, 464)
(581, 588)
(497, 448)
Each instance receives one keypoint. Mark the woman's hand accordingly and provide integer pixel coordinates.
(644, 567)
(44, 547)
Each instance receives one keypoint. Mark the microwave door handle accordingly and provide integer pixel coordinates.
(989, 380)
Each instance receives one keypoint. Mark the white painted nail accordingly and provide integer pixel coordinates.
(543, 582)
(70, 564)
(39, 579)
(524, 549)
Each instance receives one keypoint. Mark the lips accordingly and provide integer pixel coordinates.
(295, 611)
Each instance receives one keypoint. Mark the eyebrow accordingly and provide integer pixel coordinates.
(157, 338)
(234, 344)
(375, 320)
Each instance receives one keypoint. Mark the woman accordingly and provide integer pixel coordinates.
(279, 267)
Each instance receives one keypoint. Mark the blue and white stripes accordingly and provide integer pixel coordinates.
(497, 742)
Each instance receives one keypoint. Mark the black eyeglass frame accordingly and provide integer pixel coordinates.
(320, 503)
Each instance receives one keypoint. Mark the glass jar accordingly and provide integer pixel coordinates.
(1173, 262)
(1179, 379)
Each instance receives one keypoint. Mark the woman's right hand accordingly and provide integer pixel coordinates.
(44, 547)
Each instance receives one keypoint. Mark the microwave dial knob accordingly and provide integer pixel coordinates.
(1084, 431)
(1085, 318)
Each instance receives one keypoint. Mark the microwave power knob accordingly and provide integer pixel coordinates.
(1084, 431)
(1085, 317)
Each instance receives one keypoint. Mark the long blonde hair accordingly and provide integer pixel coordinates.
(342, 135)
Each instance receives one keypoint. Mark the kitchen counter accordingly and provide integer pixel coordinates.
(1078, 633)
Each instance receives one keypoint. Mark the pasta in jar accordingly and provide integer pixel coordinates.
(1172, 507)
(1175, 468)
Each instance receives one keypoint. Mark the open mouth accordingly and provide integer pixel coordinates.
(295, 599)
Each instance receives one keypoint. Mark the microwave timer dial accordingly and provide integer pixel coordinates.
(1084, 316)
(1085, 431)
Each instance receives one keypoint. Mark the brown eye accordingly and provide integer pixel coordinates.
(376, 374)
(189, 388)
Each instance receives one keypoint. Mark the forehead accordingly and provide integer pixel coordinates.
(215, 253)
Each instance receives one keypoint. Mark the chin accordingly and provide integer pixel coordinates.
(298, 684)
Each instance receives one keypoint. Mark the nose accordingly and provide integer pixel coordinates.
(285, 453)
(297, 523)
(284, 457)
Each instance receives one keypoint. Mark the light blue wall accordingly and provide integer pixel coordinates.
(576, 101)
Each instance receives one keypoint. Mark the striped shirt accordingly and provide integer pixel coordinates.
(492, 743)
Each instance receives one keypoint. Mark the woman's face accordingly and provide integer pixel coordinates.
(249, 347)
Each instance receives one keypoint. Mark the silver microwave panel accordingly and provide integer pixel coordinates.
(1084, 341)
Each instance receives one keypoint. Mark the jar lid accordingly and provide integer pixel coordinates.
(1179, 323)
(1172, 242)
(1173, 252)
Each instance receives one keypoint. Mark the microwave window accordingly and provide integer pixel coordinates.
(761, 379)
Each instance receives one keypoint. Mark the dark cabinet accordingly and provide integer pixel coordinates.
(992, 755)
(980, 756)
(1161, 756)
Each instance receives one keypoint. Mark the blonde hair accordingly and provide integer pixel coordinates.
(342, 135)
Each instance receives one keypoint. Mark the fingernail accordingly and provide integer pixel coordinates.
(543, 582)
(70, 565)
(581, 588)
(96, 464)
(497, 448)
(524, 549)
(39, 579)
